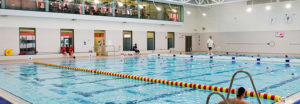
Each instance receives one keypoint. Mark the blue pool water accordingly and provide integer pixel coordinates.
(42, 84)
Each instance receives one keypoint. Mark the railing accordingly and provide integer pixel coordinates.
(218, 93)
(113, 8)
(114, 49)
(253, 85)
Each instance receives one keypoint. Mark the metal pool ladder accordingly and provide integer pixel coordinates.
(218, 93)
(230, 86)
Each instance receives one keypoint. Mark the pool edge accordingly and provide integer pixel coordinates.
(12, 98)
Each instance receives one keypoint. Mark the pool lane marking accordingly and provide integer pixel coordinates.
(174, 83)
(280, 83)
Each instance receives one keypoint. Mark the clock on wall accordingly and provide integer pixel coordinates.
(288, 19)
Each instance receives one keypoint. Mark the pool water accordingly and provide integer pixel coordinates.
(41, 84)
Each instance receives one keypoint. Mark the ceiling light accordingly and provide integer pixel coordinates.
(203, 14)
(288, 6)
(96, 1)
(141, 6)
(174, 10)
(268, 7)
(158, 8)
(188, 12)
(120, 4)
(249, 9)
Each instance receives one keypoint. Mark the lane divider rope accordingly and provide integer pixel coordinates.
(168, 82)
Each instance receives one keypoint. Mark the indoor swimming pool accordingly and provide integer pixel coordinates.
(40, 84)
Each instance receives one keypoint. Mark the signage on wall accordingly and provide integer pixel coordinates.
(279, 34)
(127, 35)
(181, 36)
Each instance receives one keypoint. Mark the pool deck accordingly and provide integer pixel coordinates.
(292, 99)
(9, 98)
(63, 59)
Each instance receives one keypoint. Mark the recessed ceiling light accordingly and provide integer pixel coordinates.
(120, 4)
(203, 14)
(141, 6)
(288, 6)
(96, 1)
(174, 10)
(249, 9)
(158, 8)
(268, 7)
(188, 12)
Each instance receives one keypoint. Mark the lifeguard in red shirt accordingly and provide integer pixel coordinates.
(71, 51)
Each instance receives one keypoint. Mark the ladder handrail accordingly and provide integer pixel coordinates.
(253, 85)
(218, 93)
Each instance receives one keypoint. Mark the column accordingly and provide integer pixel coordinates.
(83, 6)
(139, 10)
(113, 7)
(3, 4)
(46, 2)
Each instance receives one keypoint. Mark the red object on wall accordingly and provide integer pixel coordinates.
(26, 34)
(66, 34)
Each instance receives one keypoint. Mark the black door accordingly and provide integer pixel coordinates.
(188, 43)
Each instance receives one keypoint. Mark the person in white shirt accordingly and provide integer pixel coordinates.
(210, 44)
(99, 48)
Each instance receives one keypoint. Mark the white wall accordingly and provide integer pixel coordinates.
(44, 37)
(9, 39)
(116, 38)
(140, 37)
(234, 18)
(83, 36)
(235, 30)
(161, 42)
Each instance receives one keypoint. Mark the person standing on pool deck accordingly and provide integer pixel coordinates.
(99, 48)
(210, 44)
(239, 99)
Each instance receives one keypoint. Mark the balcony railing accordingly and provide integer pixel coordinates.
(140, 9)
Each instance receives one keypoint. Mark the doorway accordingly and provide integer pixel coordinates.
(150, 40)
(127, 40)
(188, 43)
(67, 38)
(99, 42)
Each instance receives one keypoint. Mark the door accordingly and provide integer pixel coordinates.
(99, 36)
(188, 43)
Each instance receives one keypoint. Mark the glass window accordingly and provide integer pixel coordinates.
(152, 10)
(170, 40)
(159, 11)
(120, 8)
(65, 6)
(127, 40)
(27, 41)
(67, 38)
(126, 8)
(98, 7)
(150, 40)
(25, 4)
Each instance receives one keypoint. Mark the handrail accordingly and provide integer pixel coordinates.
(113, 46)
(218, 93)
(232, 79)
